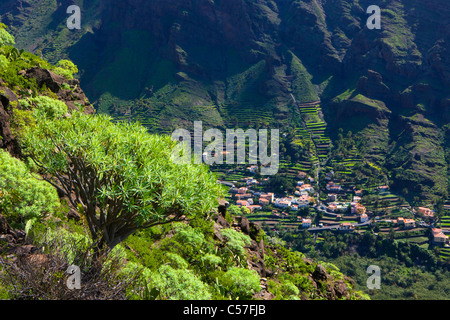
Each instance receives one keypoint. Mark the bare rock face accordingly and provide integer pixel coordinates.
(73, 95)
(9, 238)
(47, 78)
(7, 100)
(320, 273)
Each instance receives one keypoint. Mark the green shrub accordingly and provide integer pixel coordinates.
(190, 236)
(71, 245)
(5, 37)
(179, 284)
(211, 260)
(236, 241)
(289, 289)
(4, 62)
(240, 283)
(45, 107)
(176, 261)
(23, 196)
(68, 65)
(21, 120)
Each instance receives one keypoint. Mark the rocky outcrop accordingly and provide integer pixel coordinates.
(7, 101)
(329, 286)
(68, 91)
(371, 85)
(10, 239)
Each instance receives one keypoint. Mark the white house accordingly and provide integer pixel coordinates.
(364, 217)
(252, 169)
(282, 203)
(439, 236)
(306, 223)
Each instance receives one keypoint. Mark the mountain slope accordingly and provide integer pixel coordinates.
(43, 232)
(236, 63)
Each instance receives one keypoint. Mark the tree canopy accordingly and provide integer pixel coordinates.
(119, 176)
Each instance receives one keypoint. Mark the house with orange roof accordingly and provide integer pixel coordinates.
(306, 223)
(438, 236)
(269, 196)
(302, 174)
(242, 203)
(346, 226)
(425, 212)
(241, 196)
(242, 190)
(409, 223)
(331, 186)
(283, 202)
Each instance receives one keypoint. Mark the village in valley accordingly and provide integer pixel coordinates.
(321, 186)
(335, 208)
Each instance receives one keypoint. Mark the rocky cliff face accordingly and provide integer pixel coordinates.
(72, 95)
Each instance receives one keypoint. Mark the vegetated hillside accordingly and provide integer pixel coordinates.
(237, 62)
(42, 232)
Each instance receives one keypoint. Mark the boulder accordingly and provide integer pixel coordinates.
(46, 77)
(320, 273)
(340, 288)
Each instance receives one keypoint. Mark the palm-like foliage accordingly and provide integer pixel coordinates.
(119, 176)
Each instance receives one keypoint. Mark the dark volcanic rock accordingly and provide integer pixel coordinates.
(55, 83)
(7, 100)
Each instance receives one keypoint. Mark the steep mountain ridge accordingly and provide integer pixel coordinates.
(236, 63)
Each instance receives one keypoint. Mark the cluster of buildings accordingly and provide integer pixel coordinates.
(333, 187)
(292, 202)
(303, 196)
(258, 200)
(352, 208)
(303, 188)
